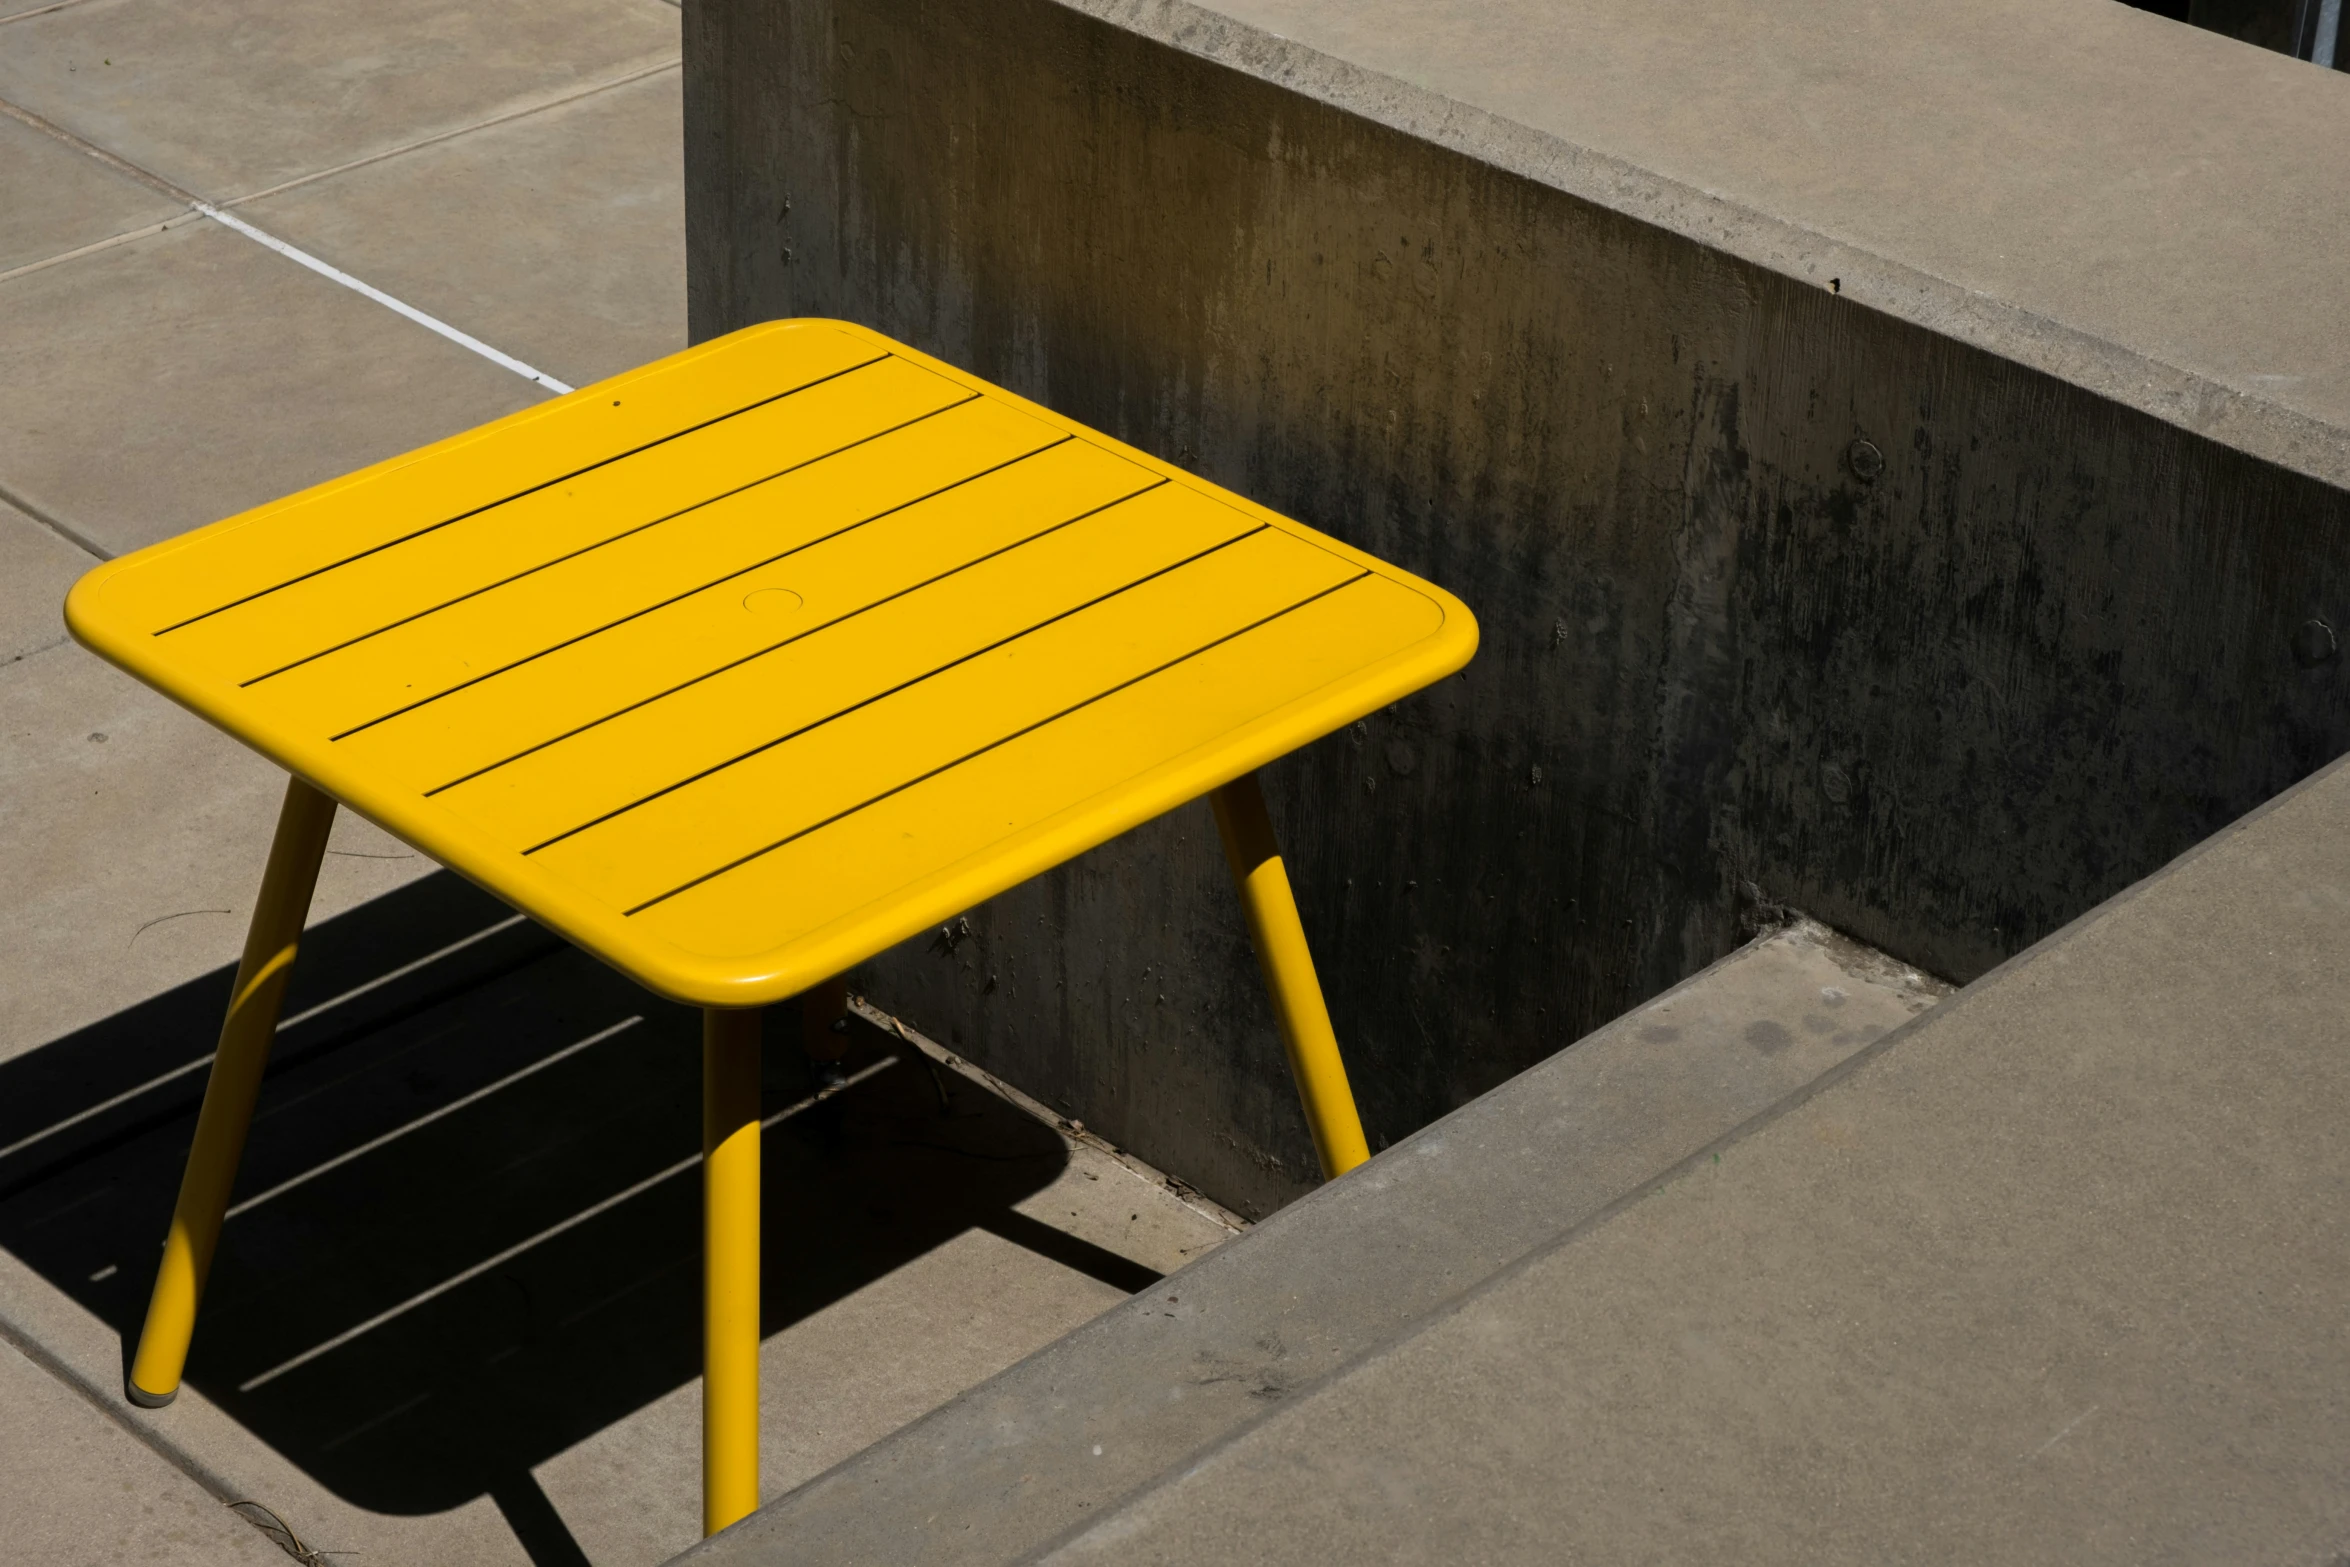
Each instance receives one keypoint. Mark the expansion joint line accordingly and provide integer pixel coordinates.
(198, 205)
(401, 306)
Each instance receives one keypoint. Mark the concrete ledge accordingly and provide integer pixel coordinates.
(1891, 454)
(2118, 201)
(1219, 1346)
(2054, 1276)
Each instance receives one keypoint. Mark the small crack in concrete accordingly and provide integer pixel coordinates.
(162, 919)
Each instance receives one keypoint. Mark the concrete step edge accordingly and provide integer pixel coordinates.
(1059, 1438)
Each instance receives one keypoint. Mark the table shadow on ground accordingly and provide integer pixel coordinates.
(466, 1233)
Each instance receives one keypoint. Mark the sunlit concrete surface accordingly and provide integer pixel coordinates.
(83, 1489)
(454, 1319)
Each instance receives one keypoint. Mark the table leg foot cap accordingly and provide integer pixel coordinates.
(144, 1399)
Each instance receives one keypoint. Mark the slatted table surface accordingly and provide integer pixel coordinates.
(746, 665)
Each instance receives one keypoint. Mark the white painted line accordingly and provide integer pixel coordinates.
(202, 208)
(543, 1236)
(430, 1116)
(430, 323)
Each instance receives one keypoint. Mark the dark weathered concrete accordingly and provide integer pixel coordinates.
(1166, 1377)
(2054, 1276)
(1849, 552)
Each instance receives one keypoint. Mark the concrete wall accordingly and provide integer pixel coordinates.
(1786, 600)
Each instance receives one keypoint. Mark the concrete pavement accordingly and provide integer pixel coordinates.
(1168, 1378)
(451, 1089)
(96, 1494)
(2055, 1275)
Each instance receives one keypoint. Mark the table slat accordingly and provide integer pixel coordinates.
(665, 649)
(343, 518)
(700, 826)
(740, 667)
(267, 638)
(637, 754)
(479, 636)
(909, 860)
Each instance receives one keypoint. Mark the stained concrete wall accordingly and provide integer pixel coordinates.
(1787, 600)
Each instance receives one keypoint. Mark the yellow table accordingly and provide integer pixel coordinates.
(736, 670)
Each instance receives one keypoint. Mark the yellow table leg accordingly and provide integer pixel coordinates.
(235, 1083)
(1255, 858)
(730, 1266)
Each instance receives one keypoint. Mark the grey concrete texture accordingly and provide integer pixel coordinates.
(558, 236)
(541, 1402)
(835, 1383)
(80, 1491)
(630, 1493)
(179, 378)
(37, 565)
(848, 1375)
(1151, 1386)
(2055, 1275)
(1787, 598)
(54, 199)
(135, 834)
(194, 1435)
(229, 97)
(161, 380)
(2091, 190)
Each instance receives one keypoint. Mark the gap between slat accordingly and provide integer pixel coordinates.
(604, 462)
(838, 816)
(903, 685)
(589, 549)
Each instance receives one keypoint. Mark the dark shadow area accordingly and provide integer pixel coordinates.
(2294, 27)
(467, 1228)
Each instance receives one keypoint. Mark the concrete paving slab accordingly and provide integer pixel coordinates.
(1540, 374)
(547, 1402)
(171, 381)
(36, 567)
(1154, 1384)
(559, 236)
(54, 199)
(833, 1384)
(133, 835)
(2057, 1276)
(78, 1490)
(228, 97)
(15, 10)
(197, 1431)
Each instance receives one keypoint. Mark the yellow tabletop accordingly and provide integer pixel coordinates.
(746, 665)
